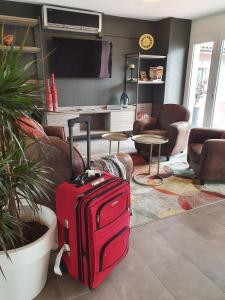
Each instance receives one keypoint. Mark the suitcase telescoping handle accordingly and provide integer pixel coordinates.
(71, 123)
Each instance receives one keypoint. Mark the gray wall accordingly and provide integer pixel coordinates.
(177, 60)
(171, 37)
(124, 35)
(174, 36)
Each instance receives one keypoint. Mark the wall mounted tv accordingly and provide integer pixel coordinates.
(81, 58)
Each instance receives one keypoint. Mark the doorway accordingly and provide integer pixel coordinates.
(218, 117)
(205, 85)
(199, 80)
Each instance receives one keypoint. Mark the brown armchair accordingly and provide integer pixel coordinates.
(206, 154)
(56, 131)
(54, 152)
(172, 123)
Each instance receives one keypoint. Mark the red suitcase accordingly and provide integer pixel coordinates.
(93, 221)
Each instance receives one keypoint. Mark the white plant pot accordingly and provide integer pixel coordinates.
(27, 271)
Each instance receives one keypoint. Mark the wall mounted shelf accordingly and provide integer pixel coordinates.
(16, 24)
(145, 82)
(26, 49)
(144, 56)
(18, 21)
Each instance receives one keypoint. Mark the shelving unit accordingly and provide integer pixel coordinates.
(129, 58)
(18, 21)
(35, 29)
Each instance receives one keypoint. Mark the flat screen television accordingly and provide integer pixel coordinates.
(81, 58)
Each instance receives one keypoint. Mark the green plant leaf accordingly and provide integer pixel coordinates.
(22, 181)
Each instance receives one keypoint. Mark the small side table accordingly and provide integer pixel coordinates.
(114, 136)
(150, 140)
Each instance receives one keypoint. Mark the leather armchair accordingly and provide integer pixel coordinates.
(172, 123)
(206, 154)
(54, 154)
(56, 131)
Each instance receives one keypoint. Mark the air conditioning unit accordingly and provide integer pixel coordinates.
(59, 18)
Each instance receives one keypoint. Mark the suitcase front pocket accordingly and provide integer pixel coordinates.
(111, 210)
(114, 249)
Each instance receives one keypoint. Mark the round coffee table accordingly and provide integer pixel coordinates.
(148, 139)
(115, 136)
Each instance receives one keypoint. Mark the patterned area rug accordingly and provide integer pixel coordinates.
(179, 192)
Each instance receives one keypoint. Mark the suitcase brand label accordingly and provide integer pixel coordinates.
(96, 182)
(114, 203)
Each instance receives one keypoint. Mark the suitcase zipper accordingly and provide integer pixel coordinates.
(86, 227)
(101, 207)
(80, 254)
(106, 244)
(94, 187)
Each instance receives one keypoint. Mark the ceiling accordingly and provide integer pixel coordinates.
(143, 9)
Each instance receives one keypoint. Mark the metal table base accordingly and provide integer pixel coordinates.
(146, 178)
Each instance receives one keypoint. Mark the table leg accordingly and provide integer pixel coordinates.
(159, 155)
(118, 150)
(110, 147)
(146, 178)
(150, 159)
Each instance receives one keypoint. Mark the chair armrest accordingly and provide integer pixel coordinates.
(180, 126)
(57, 131)
(200, 135)
(146, 124)
(127, 161)
(178, 134)
(54, 154)
(212, 162)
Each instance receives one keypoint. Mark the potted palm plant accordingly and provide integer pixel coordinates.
(27, 230)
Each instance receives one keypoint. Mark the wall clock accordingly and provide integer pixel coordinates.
(146, 41)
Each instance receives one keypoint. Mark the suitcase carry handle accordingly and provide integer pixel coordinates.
(71, 123)
(89, 175)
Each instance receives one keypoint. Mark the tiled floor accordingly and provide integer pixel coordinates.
(180, 258)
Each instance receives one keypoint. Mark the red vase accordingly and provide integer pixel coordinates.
(48, 96)
(54, 93)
